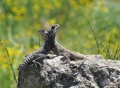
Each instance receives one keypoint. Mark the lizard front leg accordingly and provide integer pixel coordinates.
(40, 58)
(55, 50)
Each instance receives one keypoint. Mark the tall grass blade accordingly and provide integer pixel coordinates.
(9, 60)
(93, 31)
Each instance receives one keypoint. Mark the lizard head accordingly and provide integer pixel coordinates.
(50, 33)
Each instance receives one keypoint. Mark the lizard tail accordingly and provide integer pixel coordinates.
(22, 67)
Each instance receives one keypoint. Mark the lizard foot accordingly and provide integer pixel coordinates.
(65, 59)
(36, 63)
(39, 60)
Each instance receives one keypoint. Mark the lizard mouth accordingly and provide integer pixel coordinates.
(54, 27)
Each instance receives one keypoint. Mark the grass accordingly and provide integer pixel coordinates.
(10, 61)
(90, 29)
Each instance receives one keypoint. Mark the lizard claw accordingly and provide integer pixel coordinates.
(36, 63)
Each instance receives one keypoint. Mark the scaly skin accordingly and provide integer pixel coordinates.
(49, 37)
(67, 53)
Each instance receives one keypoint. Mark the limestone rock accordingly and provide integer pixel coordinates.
(92, 72)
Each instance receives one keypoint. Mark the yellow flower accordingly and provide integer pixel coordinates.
(14, 9)
(28, 32)
(2, 59)
(10, 50)
(36, 47)
(37, 25)
(36, 7)
(47, 7)
(85, 2)
(4, 66)
(2, 17)
(23, 10)
(8, 2)
(74, 4)
(18, 17)
(13, 51)
(57, 3)
(52, 21)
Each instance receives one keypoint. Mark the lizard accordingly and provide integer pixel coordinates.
(49, 41)
(61, 50)
(49, 37)
(50, 45)
(72, 55)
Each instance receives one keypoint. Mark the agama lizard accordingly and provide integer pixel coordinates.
(49, 38)
(67, 53)
(60, 50)
(49, 45)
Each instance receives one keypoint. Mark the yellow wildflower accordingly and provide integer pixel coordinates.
(36, 47)
(37, 25)
(36, 7)
(23, 10)
(57, 3)
(14, 9)
(85, 2)
(13, 51)
(2, 17)
(8, 2)
(18, 17)
(4, 66)
(10, 50)
(74, 4)
(47, 7)
(28, 32)
(52, 21)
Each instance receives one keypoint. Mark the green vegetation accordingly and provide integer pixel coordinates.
(86, 26)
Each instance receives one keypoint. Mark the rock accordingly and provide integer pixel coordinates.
(93, 72)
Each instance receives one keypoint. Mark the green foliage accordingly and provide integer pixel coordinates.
(20, 20)
(111, 48)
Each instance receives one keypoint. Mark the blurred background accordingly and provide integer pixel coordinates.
(20, 20)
